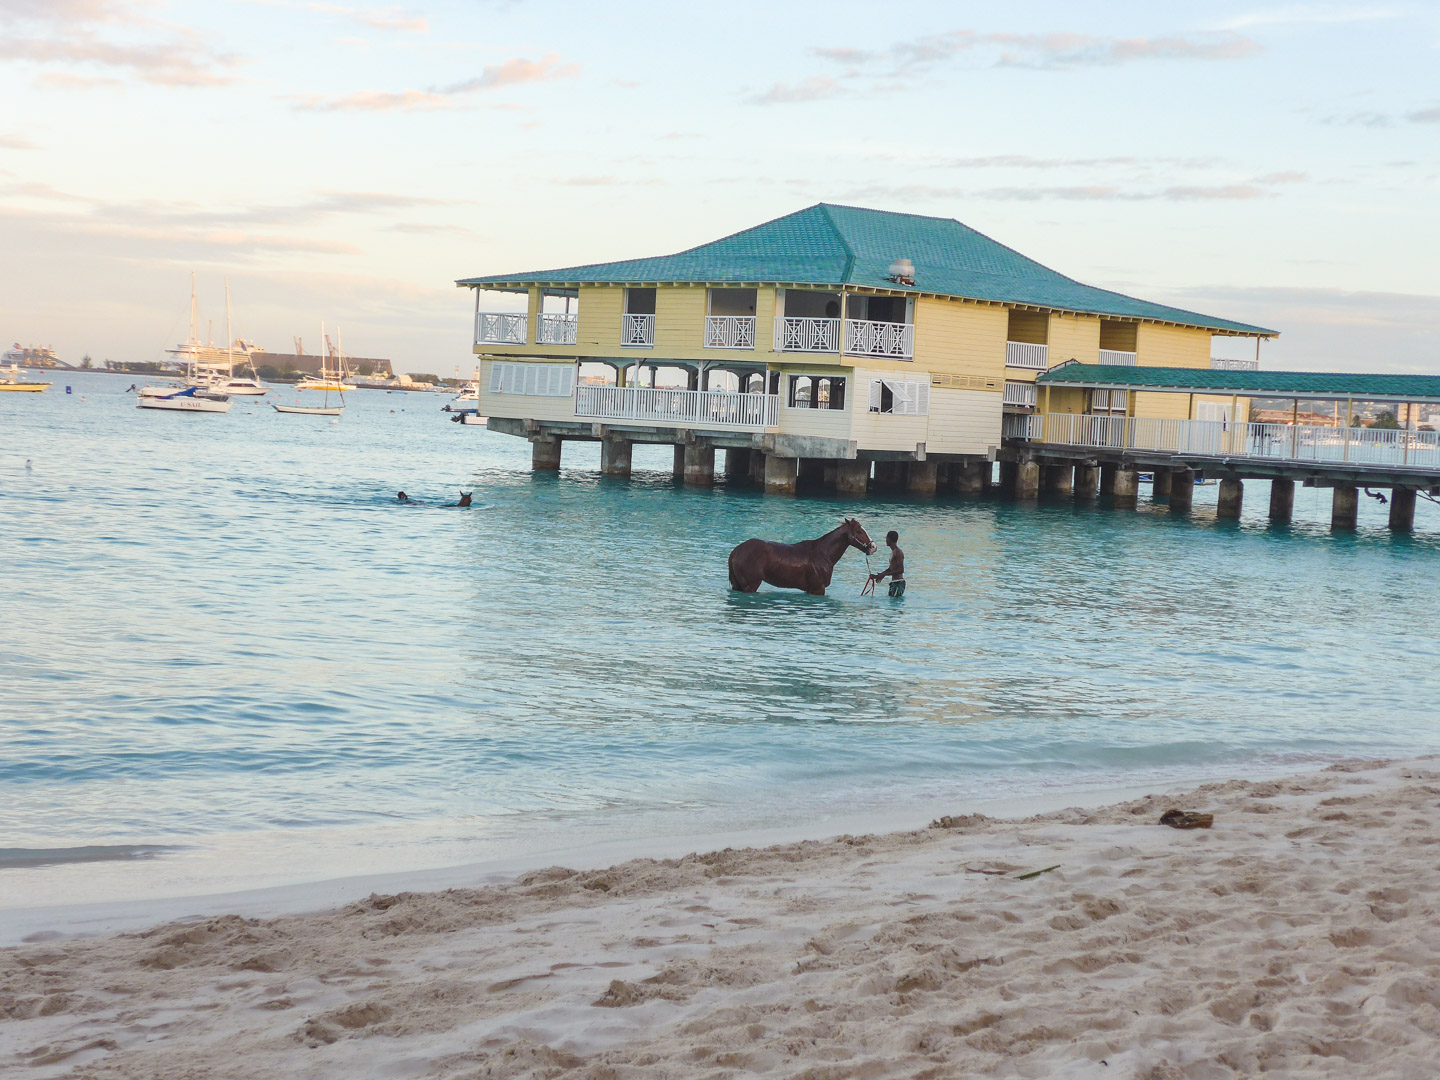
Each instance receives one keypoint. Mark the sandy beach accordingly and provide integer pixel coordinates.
(1297, 937)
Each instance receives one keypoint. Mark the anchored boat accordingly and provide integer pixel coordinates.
(187, 399)
(12, 381)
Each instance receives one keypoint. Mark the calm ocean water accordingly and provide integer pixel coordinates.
(222, 637)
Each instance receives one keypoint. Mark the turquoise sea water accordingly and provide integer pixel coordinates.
(224, 641)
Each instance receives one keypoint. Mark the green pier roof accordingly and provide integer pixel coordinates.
(1289, 384)
(833, 246)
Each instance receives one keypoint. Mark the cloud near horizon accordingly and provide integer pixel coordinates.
(1045, 52)
(513, 72)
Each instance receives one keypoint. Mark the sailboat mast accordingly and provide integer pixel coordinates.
(229, 338)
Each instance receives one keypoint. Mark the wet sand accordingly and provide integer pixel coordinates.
(1298, 937)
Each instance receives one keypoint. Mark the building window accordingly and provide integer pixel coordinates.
(1106, 402)
(900, 397)
(811, 392)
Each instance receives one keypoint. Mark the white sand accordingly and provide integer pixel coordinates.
(1299, 937)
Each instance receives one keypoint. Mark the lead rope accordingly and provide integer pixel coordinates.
(869, 589)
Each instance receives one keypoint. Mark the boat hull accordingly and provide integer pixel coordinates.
(183, 404)
(24, 387)
(309, 410)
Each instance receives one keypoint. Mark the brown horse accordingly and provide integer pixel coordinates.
(806, 565)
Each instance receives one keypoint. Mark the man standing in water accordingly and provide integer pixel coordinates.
(896, 570)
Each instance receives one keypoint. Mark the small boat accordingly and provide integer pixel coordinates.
(309, 410)
(186, 399)
(240, 386)
(12, 381)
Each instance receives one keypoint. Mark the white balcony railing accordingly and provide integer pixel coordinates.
(1219, 363)
(892, 339)
(804, 334)
(637, 331)
(1391, 449)
(503, 328)
(693, 408)
(1021, 426)
(557, 329)
(1023, 354)
(1019, 393)
(730, 331)
(1117, 357)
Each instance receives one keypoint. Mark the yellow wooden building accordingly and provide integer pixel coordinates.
(827, 345)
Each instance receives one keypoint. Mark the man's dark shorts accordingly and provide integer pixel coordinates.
(897, 588)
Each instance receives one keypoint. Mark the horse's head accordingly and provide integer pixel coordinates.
(859, 538)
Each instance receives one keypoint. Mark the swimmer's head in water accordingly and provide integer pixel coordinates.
(402, 497)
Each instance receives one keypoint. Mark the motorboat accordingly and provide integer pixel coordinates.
(195, 399)
(13, 382)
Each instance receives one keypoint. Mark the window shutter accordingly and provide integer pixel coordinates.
(875, 395)
(922, 398)
(496, 373)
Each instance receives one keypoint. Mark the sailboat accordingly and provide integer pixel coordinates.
(195, 395)
(326, 381)
(228, 382)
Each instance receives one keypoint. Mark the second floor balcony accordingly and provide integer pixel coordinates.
(1023, 354)
(1118, 357)
(860, 337)
(556, 328)
(683, 408)
(500, 328)
(730, 331)
(637, 331)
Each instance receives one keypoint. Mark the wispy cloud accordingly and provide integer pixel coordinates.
(1242, 191)
(894, 64)
(1372, 119)
(111, 36)
(815, 88)
(16, 142)
(1300, 14)
(1424, 116)
(512, 72)
(388, 18)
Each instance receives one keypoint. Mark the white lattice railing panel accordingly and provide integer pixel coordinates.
(1020, 393)
(1219, 363)
(794, 333)
(1118, 357)
(685, 408)
(637, 331)
(866, 338)
(557, 328)
(1024, 355)
(730, 331)
(500, 328)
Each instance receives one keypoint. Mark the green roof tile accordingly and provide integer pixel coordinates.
(833, 246)
(1304, 384)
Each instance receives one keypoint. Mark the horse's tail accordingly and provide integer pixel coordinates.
(734, 584)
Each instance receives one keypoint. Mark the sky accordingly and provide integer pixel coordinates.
(1277, 163)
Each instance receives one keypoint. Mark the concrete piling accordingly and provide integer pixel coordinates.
(1160, 484)
(1345, 507)
(1402, 509)
(1182, 491)
(971, 477)
(1058, 479)
(1027, 480)
(1087, 479)
(699, 464)
(1282, 501)
(921, 478)
(1107, 479)
(852, 477)
(615, 457)
(781, 474)
(1127, 486)
(1232, 497)
(545, 454)
(678, 469)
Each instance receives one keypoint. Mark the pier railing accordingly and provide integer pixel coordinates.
(688, 408)
(794, 333)
(1118, 357)
(1388, 448)
(867, 338)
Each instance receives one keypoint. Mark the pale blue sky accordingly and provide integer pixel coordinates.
(1277, 163)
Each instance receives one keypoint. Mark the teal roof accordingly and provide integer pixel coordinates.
(1290, 384)
(833, 246)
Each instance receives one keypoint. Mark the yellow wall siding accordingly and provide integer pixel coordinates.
(679, 321)
(1172, 346)
(960, 338)
(1074, 337)
(1061, 399)
(1161, 406)
(1117, 335)
(828, 423)
(521, 406)
(963, 421)
(598, 330)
